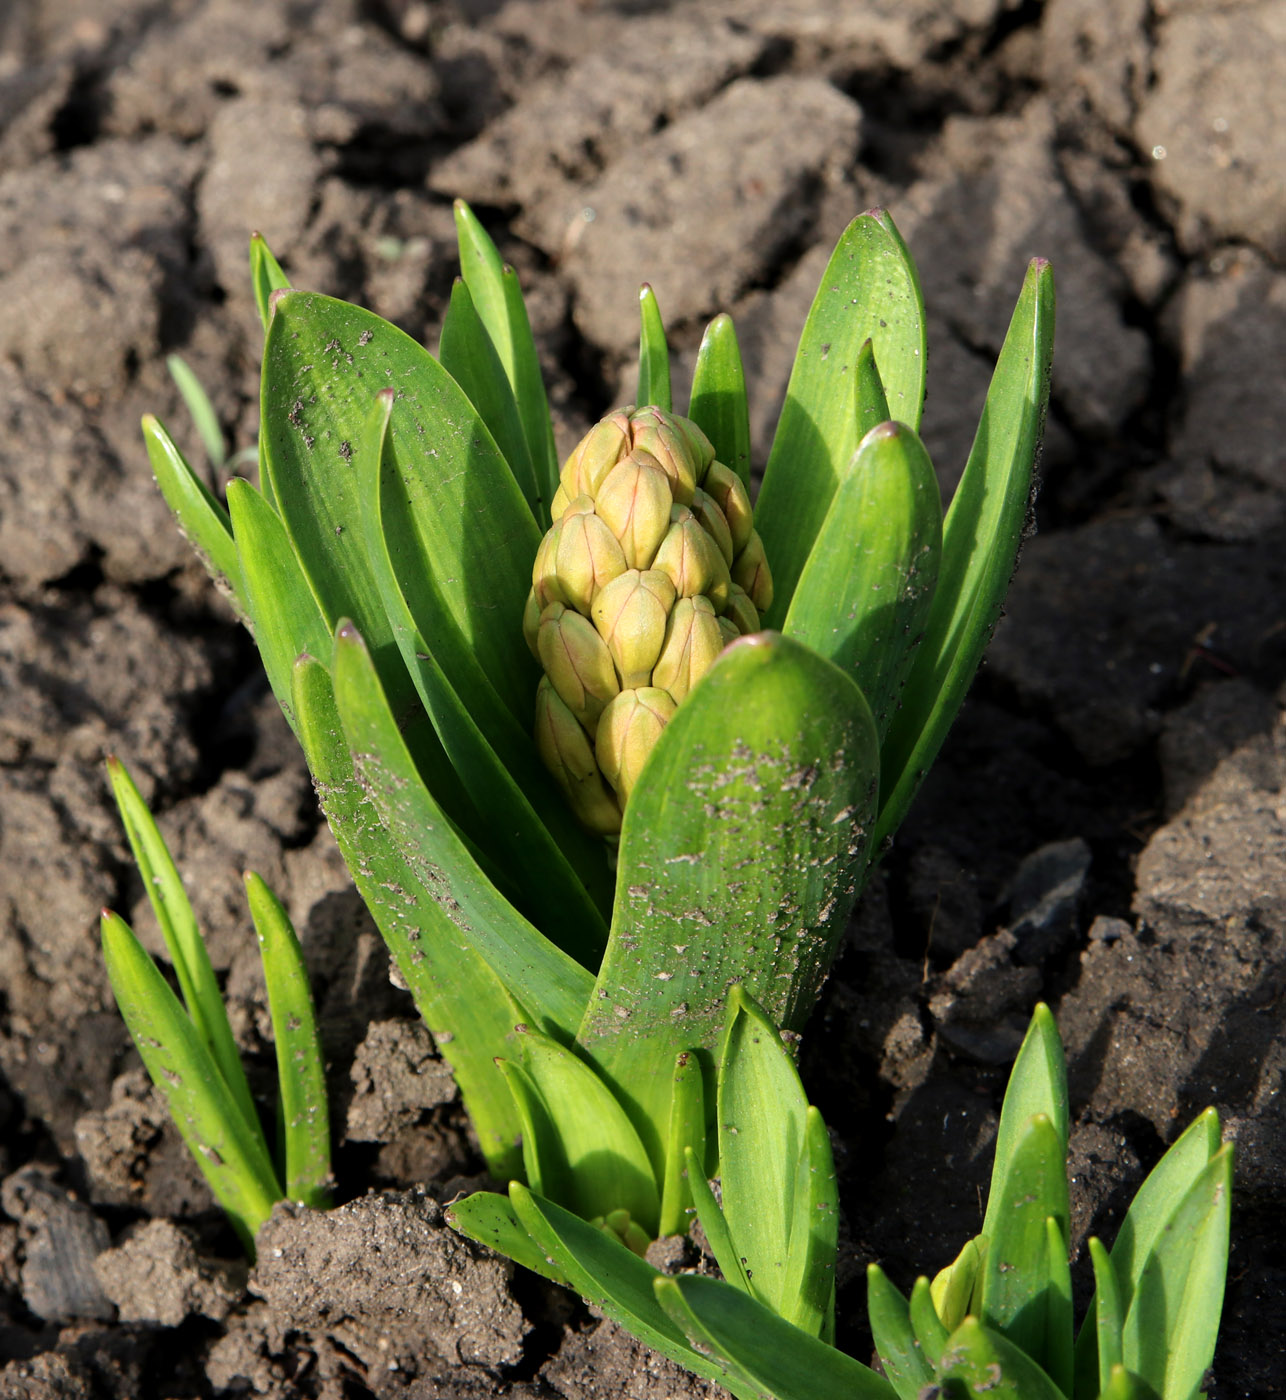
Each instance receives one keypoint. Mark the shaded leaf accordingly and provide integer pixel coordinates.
(718, 404)
(266, 277)
(900, 1351)
(979, 1361)
(687, 1132)
(654, 354)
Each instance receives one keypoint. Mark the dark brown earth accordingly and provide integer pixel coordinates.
(1104, 830)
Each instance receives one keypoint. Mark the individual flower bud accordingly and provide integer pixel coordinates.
(750, 570)
(577, 662)
(658, 433)
(578, 505)
(596, 454)
(565, 751)
(691, 560)
(634, 500)
(559, 504)
(729, 630)
(741, 612)
(699, 445)
(713, 522)
(630, 614)
(627, 733)
(728, 492)
(693, 639)
(544, 573)
(588, 555)
(531, 621)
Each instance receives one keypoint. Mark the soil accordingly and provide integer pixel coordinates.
(1104, 830)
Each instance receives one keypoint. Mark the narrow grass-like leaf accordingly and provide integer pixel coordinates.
(233, 1158)
(301, 1077)
(204, 418)
(536, 973)
(497, 298)
(718, 405)
(490, 1219)
(654, 354)
(872, 402)
(764, 1354)
(183, 941)
(864, 596)
(557, 866)
(736, 783)
(283, 612)
(900, 1351)
(469, 356)
(762, 1135)
(687, 1132)
(1173, 1319)
(979, 1361)
(1106, 1321)
(608, 1276)
(607, 1168)
(1018, 1295)
(543, 1160)
(715, 1224)
(1057, 1355)
(202, 519)
(983, 529)
(460, 999)
(869, 291)
(930, 1331)
(1037, 1084)
(809, 1294)
(266, 276)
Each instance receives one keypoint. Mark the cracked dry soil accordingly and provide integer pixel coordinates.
(1104, 830)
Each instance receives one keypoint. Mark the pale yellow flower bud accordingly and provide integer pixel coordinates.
(660, 435)
(692, 641)
(531, 621)
(741, 612)
(750, 570)
(588, 555)
(713, 522)
(630, 614)
(596, 454)
(577, 662)
(729, 493)
(627, 734)
(634, 501)
(565, 750)
(691, 559)
(544, 573)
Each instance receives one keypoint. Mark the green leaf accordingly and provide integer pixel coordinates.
(979, 1361)
(497, 298)
(266, 276)
(687, 1132)
(534, 972)
(718, 405)
(469, 357)
(1058, 1353)
(1105, 1321)
(1019, 1296)
(490, 1219)
(608, 1276)
(603, 1166)
(715, 1224)
(864, 596)
(556, 865)
(980, 541)
(764, 1354)
(735, 784)
(814, 1235)
(183, 941)
(233, 1159)
(283, 612)
(1173, 1318)
(869, 292)
(460, 998)
(872, 402)
(654, 354)
(204, 418)
(901, 1353)
(931, 1332)
(301, 1077)
(1123, 1386)
(202, 519)
(1037, 1085)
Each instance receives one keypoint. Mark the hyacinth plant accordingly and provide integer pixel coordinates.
(187, 1045)
(402, 540)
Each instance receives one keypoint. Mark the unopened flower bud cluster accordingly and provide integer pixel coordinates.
(651, 568)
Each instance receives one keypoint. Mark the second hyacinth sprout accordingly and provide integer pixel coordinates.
(651, 568)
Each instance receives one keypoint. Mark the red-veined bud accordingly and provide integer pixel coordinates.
(544, 573)
(728, 628)
(699, 445)
(750, 570)
(627, 733)
(634, 501)
(577, 662)
(565, 750)
(531, 621)
(692, 641)
(659, 434)
(588, 556)
(729, 493)
(596, 454)
(559, 504)
(691, 559)
(713, 522)
(630, 614)
(741, 612)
